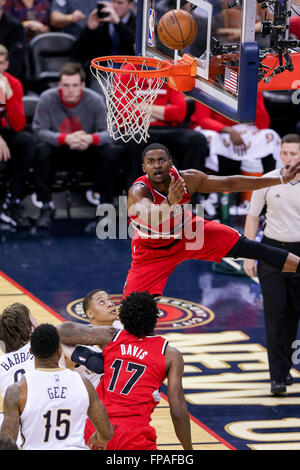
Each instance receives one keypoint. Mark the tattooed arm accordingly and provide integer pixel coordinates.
(13, 405)
(76, 333)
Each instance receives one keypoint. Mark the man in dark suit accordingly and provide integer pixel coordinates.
(110, 33)
(12, 36)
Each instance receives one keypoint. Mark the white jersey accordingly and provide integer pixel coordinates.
(13, 365)
(55, 412)
(283, 209)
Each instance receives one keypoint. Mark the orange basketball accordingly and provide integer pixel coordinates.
(177, 29)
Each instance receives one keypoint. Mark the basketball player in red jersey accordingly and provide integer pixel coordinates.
(166, 233)
(135, 365)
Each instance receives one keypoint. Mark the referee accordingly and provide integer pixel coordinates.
(280, 290)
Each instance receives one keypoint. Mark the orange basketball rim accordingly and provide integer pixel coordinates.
(181, 74)
(130, 85)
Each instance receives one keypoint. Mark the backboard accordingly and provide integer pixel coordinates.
(225, 47)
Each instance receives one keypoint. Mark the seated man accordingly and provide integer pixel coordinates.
(12, 36)
(231, 144)
(113, 33)
(34, 16)
(16, 145)
(70, 128)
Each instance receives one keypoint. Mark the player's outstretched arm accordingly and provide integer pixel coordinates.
(178, 408)
(76, 333)
(198, 181)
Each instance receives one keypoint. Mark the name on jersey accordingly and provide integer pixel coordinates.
(17, 358)
(134, 351)
(57, 392)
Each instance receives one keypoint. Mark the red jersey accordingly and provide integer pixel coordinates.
(134, 369)
(172, 228)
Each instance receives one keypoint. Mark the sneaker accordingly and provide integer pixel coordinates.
(11, 213)
(46, 216)
(92, 198)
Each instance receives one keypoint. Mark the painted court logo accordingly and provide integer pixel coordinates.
(174, 313)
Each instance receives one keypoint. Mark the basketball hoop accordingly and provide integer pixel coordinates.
(131, 84)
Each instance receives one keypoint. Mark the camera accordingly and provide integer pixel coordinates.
(100, 13)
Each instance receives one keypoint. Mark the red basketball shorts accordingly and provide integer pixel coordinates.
(151, 266)
(130, 434)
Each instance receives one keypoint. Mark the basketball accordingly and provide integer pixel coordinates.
(177, 29)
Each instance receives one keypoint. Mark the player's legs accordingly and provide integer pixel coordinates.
(277, 257)
(212, 244)
(151, 268)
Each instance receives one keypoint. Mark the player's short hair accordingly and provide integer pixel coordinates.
(15, 326)
(290, 139)
(44, 341)
(155, 146)
(72, 68)
(87, 299)
(139, 313)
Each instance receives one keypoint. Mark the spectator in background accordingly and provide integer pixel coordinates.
(70, 16)
(187, 147)
(33, 14)
(70, 129)
(236, 148)
(112, 34)
(12, 36)
(16, 145)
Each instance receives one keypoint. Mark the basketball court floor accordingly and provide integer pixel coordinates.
(214, 318)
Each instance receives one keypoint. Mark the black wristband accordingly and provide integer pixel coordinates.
(168, 201)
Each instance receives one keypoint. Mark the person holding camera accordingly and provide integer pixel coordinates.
(110, 30)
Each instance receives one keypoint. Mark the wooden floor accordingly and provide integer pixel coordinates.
(203, 439)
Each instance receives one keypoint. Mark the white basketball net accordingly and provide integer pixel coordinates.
(129, 99)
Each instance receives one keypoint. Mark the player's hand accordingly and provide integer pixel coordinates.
(177, 189)
(95, 444)
(291, 172)
(250, 267)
